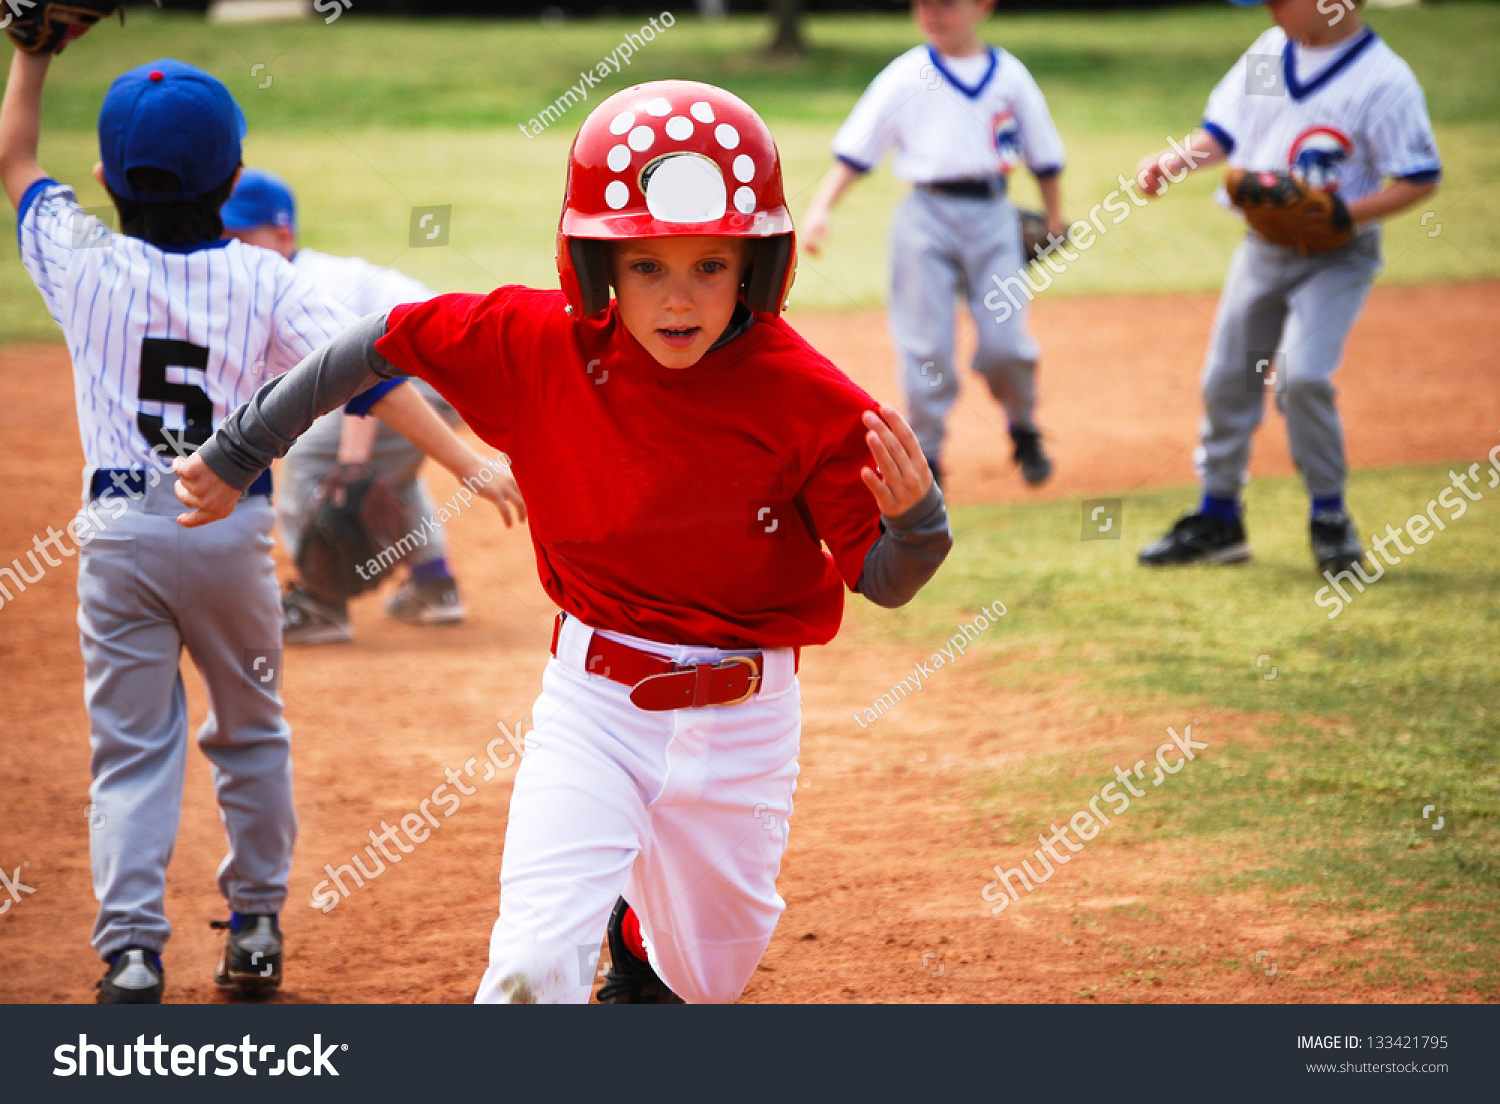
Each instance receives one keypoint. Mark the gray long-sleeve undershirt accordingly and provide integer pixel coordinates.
(898, 564)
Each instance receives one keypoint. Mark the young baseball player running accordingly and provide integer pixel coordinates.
(263, 211)
(1312, 119)
(962, 116)
(170, 326)
(685, 457)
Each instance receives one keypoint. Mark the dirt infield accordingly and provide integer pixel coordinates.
(885, 863)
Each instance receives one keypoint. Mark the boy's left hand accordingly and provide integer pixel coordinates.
(903, 477)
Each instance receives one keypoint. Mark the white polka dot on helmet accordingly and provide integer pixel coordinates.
(667, 159)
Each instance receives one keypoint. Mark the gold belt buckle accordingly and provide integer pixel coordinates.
(750, 662)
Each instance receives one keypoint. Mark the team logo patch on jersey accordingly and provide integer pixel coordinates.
(1007, 134)
(1317, 155)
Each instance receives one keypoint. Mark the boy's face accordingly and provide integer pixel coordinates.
(951, 24)
(278, 239)
(677, 295)
(1313, 19)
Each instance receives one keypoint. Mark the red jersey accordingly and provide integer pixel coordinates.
(688, 506)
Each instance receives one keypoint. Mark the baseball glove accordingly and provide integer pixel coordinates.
(356, 517)
(1286, 212)
(1033, 234)
(40, 27)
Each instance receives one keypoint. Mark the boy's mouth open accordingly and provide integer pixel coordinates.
(681, 338)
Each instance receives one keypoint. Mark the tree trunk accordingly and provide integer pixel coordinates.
(787, 17)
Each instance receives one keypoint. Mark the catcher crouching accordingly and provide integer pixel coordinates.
(351, 492)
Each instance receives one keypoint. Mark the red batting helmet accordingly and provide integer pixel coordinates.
(673, 158)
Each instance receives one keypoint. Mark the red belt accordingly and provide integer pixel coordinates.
(658, 685)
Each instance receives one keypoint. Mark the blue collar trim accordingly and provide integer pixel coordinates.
(972, 93)
(1299, 91)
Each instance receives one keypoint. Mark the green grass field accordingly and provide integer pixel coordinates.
(369, 118)
(1397, 697)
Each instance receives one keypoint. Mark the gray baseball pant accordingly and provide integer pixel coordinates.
(397, 459)
(1288, 315)
(147, 588)
(943, 246)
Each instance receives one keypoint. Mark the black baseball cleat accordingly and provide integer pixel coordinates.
(251, 963)
(135, 976)
(630, 980)
(308, 619)
(1336, 545)
(1036, 468)
(1198, 538)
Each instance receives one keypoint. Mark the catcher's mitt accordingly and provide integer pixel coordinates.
(40, 27)
(1033, 234)
(356, 517)
(1286, 212)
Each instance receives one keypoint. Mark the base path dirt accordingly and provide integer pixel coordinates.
(887, 859)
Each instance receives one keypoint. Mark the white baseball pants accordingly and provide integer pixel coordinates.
(684, 813)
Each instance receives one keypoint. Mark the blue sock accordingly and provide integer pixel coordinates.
(1322, 503)
(431, 571)
(237, 919)
(1220, 509)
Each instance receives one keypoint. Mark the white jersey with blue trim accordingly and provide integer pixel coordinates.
(357, 285)
(952, 119)
(1340, 117)
(164, 344)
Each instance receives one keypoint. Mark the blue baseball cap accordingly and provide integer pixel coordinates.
(259, 199)
(168, 115)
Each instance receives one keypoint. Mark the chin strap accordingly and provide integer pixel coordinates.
(742, 319)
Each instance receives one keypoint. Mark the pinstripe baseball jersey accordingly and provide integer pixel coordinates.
(1339, 117)
(952, 119)
(357, 285)
(164, 344)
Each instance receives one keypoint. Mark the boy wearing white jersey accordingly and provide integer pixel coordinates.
(961, 116)
(263, 211)
(170, 327)
(1319, 97)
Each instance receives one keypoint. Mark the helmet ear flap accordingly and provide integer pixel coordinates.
(769, 268)
(591, 264)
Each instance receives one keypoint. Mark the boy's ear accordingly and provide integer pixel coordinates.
(99, 173)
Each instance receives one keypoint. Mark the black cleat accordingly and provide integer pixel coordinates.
(135, 977)
(307, 619)
(251, 963)
(630, 980)
(1036, 468)
(1336, 545)
(1198, 538)
(431, 603)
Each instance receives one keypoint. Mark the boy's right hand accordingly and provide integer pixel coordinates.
(198, 487)
(1151, 175)
(815, 227)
